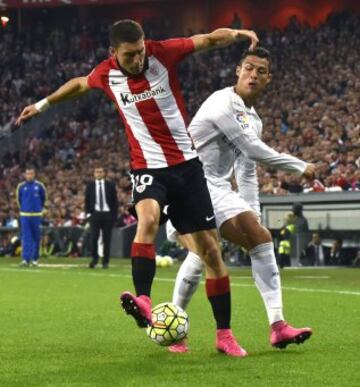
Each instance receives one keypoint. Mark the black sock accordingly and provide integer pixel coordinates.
(218, 292)
(143, 272)
(143, 267)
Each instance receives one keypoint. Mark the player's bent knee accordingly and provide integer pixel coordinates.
(259, 235)
(148, 224)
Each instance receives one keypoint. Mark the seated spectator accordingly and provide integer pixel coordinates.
(67, 247)
(47, 246)
(10, 245)
(335, 255)
(11, 220)
(313, 254)
(356, 261)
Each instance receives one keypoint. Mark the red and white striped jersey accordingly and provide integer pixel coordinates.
(151, 104)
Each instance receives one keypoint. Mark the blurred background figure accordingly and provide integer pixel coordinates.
(47, 246)
(31, 197)
(284, 250)
(67, 247)
(335, 255)
(101, 205)
(314, 254)
(300, 222)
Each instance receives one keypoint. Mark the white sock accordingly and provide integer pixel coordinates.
(267, 279)
(187, 280)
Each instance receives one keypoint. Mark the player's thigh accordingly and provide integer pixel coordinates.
(149, 196)
(191, 210)
(185, 240)
(227, 204)
(244, 229)
(206, 243)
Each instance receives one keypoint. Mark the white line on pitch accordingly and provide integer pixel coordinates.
(312, 276)
(161, 279)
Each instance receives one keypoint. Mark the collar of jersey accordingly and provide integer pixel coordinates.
(239, 99)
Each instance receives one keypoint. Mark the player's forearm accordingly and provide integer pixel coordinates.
(255, 149)
(223, 37)
(281, 161)
(71, 89)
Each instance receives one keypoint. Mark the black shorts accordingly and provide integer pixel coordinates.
(183, 188)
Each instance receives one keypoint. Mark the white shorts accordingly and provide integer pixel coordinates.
(227, 203)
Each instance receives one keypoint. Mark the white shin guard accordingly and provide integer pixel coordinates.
(267, 279)
(187, 280)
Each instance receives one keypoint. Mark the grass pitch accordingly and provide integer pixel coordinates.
(62, 326)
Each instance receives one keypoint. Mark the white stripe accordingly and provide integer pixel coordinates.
(158, 73)
(233, 284)
(152, 151)
(312, 276)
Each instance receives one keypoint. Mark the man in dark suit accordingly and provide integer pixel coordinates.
(101, 205)
(314, 254)
(336, 255)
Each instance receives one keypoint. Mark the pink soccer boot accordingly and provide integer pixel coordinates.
(180, 347)
(226, 343)
(282, 334)
(138, 307)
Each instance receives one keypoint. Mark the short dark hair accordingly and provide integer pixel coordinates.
(126, 30)
(30, 168)
(260, 52)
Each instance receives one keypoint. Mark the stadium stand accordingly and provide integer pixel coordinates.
(311, 109)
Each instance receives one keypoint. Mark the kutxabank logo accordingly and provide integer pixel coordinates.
(128, 98)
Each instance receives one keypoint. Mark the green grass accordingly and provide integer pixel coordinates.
(64, 327)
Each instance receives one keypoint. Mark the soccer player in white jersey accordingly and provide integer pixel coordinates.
(140, 78)
(226, 132)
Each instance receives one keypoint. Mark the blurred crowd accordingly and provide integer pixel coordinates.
(310, 110)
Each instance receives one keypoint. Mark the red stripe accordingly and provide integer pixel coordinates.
(217, 286)
(136, 154)
(155, 122)
(143, 250)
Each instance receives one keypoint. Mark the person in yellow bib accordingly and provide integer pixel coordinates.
(31, 198)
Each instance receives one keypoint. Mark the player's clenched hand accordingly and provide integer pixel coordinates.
(27, 113)
(241, 34)
(309, 172)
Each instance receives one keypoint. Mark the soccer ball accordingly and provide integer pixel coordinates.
(165, 261)
(170, 324)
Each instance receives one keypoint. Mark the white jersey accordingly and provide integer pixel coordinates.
(224, 129)
(227, 137)
(247, 182)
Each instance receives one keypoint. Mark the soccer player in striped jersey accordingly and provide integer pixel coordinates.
(226, 132)
(140, 78)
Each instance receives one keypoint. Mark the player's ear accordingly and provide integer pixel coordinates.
(111, 50)
(238, 69)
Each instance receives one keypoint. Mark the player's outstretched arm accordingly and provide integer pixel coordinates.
(223, 37)
(242, 137)
(71, 89)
